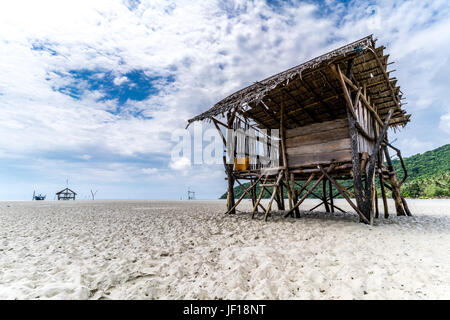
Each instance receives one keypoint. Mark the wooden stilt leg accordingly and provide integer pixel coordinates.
(361, 215)
(374, 199)
(230, 196)
(252, 192)
(294, 197)
(243, 195)
(255, 208)
(307, 193)
(383, 195)
(275, 190)
(394, 184)
(405, 205)
(324, 195)
(334, 206)
(377, 212)
(330, 190)
(277, 199)
(281, 193)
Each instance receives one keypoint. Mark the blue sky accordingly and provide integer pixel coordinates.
(91, 91)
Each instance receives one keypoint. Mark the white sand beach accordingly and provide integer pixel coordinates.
(190, 249)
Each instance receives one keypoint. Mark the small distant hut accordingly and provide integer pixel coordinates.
(331, 116)
(66, 194)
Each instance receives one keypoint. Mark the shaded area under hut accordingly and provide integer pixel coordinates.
(320, 122)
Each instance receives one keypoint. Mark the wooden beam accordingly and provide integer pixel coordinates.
(316, 95)
(299, 202)
(386, 76)
(243, 195)
(267, 111)
(275, 190)
(361, 215)
(302, 107)
(280, 110)
(376, 148)
(355, 88)
(254, 202)
(284, 155)
(259, 198)
(220, 131)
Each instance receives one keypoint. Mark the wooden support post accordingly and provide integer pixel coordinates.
(324, 195)
(229, 168)
(230, 195)
(255, 207)
(243, 195)
(275, 190)
(330, 190)
(294, 196)
(383, 191)
(373, 192)
(281, 191)
(284, 155)
(277, 199)
(377, 212)
(405, 205)
(361, 215)
(299, 202)
(357, 179)
(252, 191)
(394, 185)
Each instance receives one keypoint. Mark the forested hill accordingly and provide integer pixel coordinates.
(428, 175)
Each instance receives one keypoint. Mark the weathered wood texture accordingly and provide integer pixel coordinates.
(365, 120)
(323, 143)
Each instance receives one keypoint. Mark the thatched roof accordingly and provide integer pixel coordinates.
(66, 190)
(311, 93)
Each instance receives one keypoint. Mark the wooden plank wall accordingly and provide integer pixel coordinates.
(365, 119)
(318, 143)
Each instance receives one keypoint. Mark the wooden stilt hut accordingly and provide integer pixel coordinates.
(66, 194)
(331, 115)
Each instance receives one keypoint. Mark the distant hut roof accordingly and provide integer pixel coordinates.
(65, 190)
(312, 94)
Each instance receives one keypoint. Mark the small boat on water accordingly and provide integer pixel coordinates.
(39, 196)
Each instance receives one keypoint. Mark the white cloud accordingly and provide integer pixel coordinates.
(180, 164)
(85, 157)
(119, 80)
(444, 124)
(149, 170)
(209, 48)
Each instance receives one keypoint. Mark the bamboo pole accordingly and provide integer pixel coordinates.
(324, 195)
(294, 196)
(254, 192)
(275, 190)
(331, 167)
(361, 215)
(285, 162)
(255, 208)
(355, 88)
(243, 195)
(330, 190)
(377, 212)
(299, 202)
(357, 179)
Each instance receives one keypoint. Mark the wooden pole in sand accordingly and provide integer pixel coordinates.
(330, 190)
(275, 190)
(294, 196)
(324, 195)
